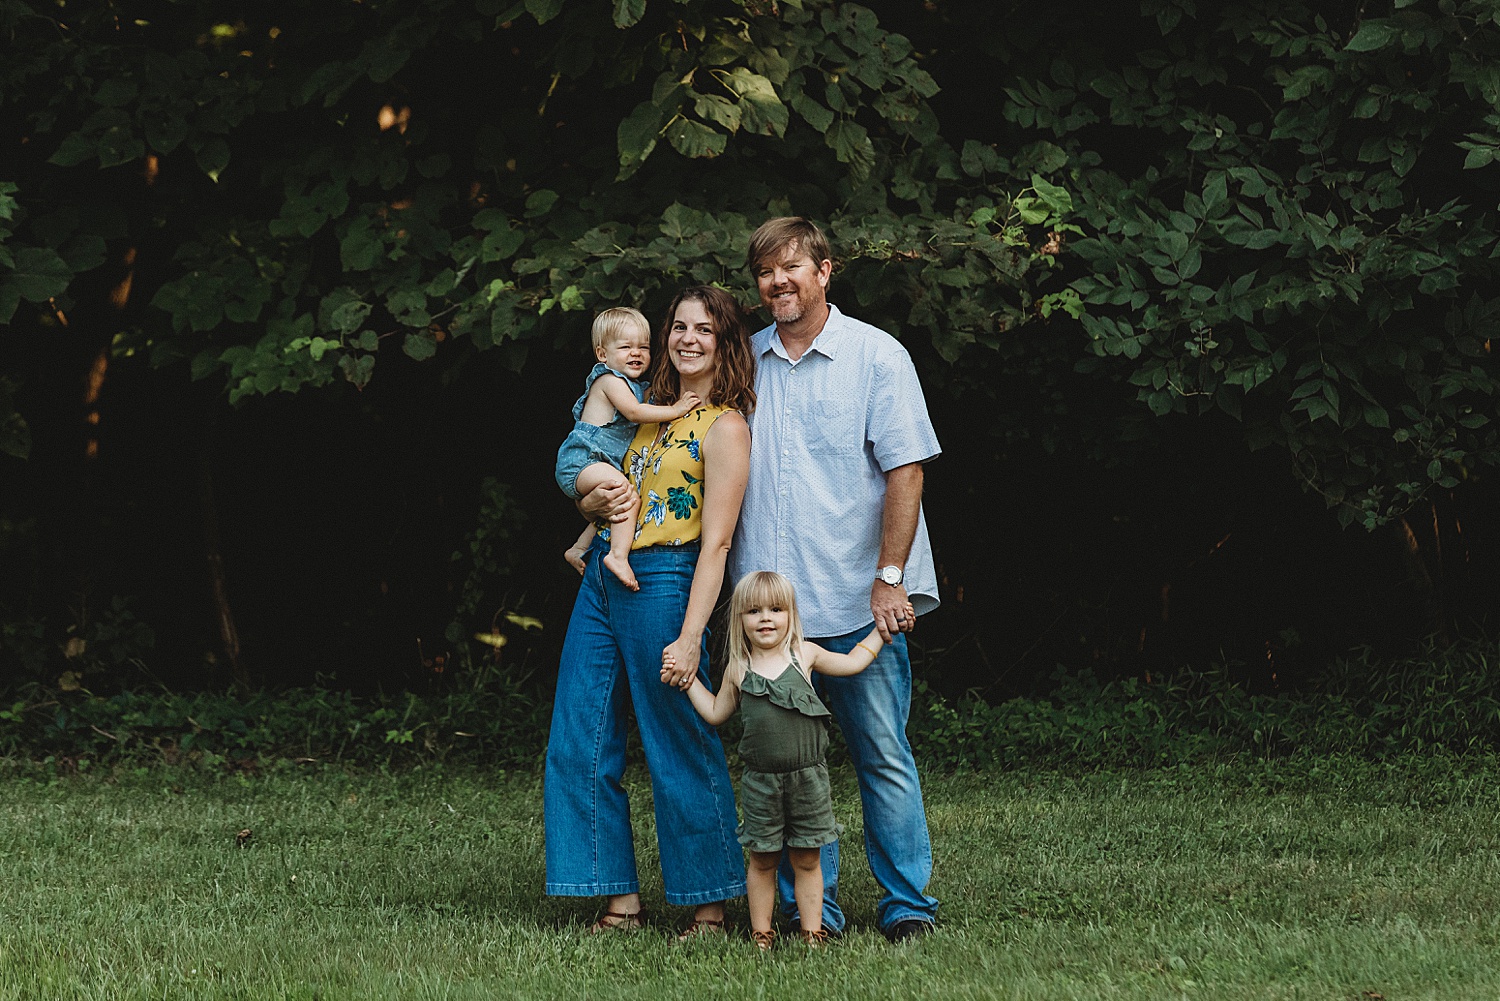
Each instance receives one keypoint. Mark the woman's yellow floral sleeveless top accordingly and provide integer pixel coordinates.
(667, 471)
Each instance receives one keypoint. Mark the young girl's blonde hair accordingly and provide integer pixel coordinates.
(755, 590)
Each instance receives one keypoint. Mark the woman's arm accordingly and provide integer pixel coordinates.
(726, 469)
(623, 400)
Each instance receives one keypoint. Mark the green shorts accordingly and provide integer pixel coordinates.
(786, 809)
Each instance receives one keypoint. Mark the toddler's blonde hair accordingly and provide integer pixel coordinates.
(763, 587)
(616, 322)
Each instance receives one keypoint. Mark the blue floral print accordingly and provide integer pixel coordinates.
(681, 502)
(656, 508)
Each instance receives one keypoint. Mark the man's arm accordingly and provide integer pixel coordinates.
(898, 529)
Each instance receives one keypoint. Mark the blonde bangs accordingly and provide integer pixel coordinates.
(763, 587)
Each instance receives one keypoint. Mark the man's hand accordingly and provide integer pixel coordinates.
(606, 502)
(891, 609)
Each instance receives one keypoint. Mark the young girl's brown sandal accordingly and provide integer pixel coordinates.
(763, 940)
(701, 926)
(616, 921)
(815, 939)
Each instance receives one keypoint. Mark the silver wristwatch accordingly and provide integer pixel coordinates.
(890, 575)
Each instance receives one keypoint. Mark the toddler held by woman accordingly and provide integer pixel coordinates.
(605, 419)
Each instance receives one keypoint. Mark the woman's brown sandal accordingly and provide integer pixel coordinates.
(699, 927)
(763, 940)
(616, 921)
(815, 939)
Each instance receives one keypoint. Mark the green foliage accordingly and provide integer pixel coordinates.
(341, 179)
(501, 724)
(1443, 699)
(94, 644)
(488, 554)
(1304, 249)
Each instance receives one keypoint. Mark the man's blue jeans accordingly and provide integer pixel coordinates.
(871, 708)
(613, 651)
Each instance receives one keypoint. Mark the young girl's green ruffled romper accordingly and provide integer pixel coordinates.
(785, 798)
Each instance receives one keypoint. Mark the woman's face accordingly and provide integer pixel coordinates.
(691, 344)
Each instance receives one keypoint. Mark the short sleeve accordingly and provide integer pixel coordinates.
(900, 432)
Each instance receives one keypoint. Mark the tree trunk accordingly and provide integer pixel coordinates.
(229, 635)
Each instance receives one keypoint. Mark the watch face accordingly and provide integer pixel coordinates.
(891, 575)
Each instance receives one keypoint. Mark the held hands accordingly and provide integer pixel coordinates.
(679, 664)
(891, 609)
(686, 404)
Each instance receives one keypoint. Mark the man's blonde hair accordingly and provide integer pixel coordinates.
(616, 322)
(775, 235)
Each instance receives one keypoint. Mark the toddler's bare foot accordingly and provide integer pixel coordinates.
(620, 567)
(574, 556)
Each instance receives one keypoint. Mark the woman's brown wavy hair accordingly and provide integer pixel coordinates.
(734, 362)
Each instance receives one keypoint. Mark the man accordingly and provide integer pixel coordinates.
(838, 438)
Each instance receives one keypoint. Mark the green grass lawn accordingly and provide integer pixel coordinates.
(1305, 880)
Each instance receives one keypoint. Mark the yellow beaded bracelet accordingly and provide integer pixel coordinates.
(867, 650)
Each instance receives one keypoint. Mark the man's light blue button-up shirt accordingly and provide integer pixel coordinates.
(826, 430)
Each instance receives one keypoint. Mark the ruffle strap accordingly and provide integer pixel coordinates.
(789, 691)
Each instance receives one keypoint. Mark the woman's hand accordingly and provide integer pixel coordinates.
(679, 662)
(607, 502)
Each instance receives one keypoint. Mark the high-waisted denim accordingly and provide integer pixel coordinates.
(613, 651)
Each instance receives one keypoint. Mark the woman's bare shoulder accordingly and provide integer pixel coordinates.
(734, 422)
(734, 427)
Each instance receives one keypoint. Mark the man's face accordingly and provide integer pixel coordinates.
(792, 285)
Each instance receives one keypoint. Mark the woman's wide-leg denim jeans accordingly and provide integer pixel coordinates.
(612, 653)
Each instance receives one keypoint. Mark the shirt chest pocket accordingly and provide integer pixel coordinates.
(834, 428)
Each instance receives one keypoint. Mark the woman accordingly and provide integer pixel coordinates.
(690, 474)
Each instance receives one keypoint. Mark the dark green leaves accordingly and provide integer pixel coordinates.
(1296, 256)
(35, 274)
(694, 139)
(628, 12)
(851, 144)
(1372, 35)
(636, 137)
(546, 10)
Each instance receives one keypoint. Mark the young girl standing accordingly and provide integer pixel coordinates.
(785, 799)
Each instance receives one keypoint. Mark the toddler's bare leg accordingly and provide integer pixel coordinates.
(807, 886)
(621, 535)
(620, 538)
(760, 889)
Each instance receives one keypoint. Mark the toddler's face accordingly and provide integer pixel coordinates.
(629, 352)
(766, 625)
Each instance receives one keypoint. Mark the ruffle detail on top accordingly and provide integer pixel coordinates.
(789, 691)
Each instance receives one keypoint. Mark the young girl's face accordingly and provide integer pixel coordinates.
(628, 352)
(767, 625)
